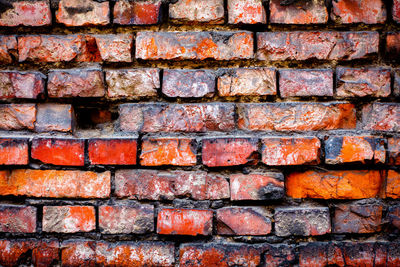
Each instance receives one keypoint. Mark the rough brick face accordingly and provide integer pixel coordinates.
(115, 47)
(367, 11)
(246, 12)
(27, 13)
(68, 219)
(393, 184)
(197, 11)
(309, 12)
(17, 219)
(8, 49)
(381, 117)
(396, 11)
(396, 85)
(83, 12)
(394, 150)
(112, 151)
(54, 117)
(137, 13)
(78, 252)
(394, 216)
(14, 151)
(359, 219)
(17, 116)
(392, 45)
(16, 84)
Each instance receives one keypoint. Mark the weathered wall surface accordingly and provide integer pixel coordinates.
(199, 133)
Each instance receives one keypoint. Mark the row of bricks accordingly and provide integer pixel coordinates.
(231, 221)
(219, 45)
(102, 253)
(125, 12)
(208, 117)
(262, 81)
(199, 185)
(215, 151)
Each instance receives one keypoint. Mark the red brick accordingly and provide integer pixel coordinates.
(69, 219)
(18, 84)
(354, 184)
(393, 216)
(8, 49)
(243, 221)
(394, 150)
(194, 45)
(358, 219)
(309, 12)
(367, 11)
(296, 116)
(154, 117)
(277, 151)
(302, 221)
(58, 151)
(218, 254)
(393, 45)
(78, 253)
(83, 12)
(310, 82)
(158, 185)
(197, 11)
(278, 255)
(17, 116)
(112, 151)
(168, 151)
(188, 83)
(217, 152)
(247, 81)
(381, 117)
(137, 13)
(132, 82)
(184, 222)
(75, 83)
(396, 81)
(356, 82)
(393, 184)
(135, 254)
(257, 186)
(27, 13)
(246, 12)
(45, 252)
(54, 117)
(14, 151)
(17, 219)
(322, 45)
(118, 219)
(55, 184)
(115, 47)
(393, 254)
(396, 10)
(345, 149)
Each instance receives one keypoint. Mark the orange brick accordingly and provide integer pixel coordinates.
(68, 219)
(13, 151)
(112, 151)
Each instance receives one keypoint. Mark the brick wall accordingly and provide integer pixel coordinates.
(199, 133)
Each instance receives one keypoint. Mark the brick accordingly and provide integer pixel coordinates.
(257, 186)
(55, 184)
(368, 12)
(27, 13)
(354, 184)
(393, 254)
(296, 116)
(316, 45)
(18, 84)
(14, 151)
(243, 221)
(394, 150)
(392, 45)
(393, 216)
(75, 83)
(396, 11)
(54, 117)
(118, 219)
(247, 81)
(115, 47)
(310, 12)
(112, 151)
(154, 117)
(83, 12)
(59, 151)
(222, 152)
(359, 82)
(17, 219)
(168, 185)
(168, 151)
(45, 252)
(393, 184)
(246, 12)
(17, 116)
(184, 222)
(305, 82)
(137, 13)
(8, 49)
(78, 253)
(281, 151)
(346, 149)
(396, 81)
(197, 11)
(359, 219)
(381, 117)
(218, 254)
(68, 219)
(194, 45)
(302, 221)
(278, 255)
(132, 82)
(188, 83)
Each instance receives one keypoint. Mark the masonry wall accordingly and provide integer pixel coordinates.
(199, 133)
